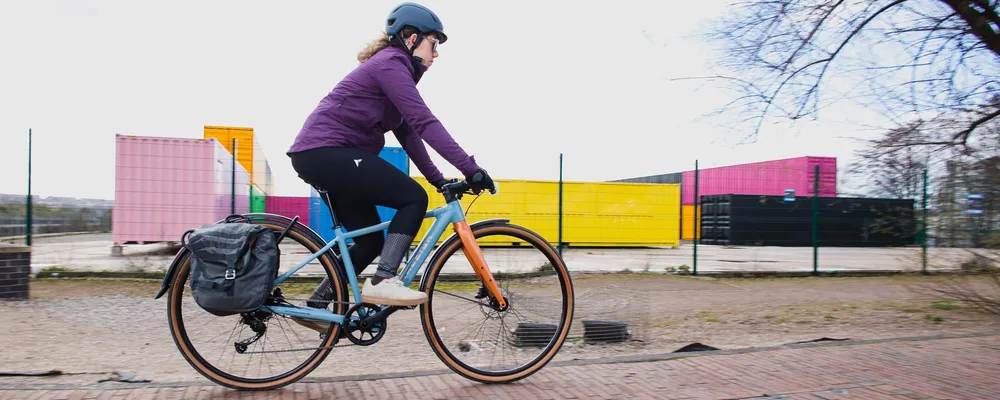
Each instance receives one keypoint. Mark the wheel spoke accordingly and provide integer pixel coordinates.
(303, 346)
(479, 344)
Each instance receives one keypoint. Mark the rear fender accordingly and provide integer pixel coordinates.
(168, 278)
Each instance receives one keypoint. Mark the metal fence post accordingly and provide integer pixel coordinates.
(697, 233)
(560, 204)
(232, 196)
(923, 228)
(27, 202)
(815, 220)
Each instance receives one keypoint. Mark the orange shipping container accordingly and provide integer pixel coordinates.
(690, 219)
(248, 151)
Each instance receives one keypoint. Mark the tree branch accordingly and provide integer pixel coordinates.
(978, 24)
(964, 134)
(843, 44)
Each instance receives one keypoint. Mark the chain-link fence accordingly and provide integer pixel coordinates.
(774, 216)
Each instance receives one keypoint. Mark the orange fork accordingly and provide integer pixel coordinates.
(475, 256)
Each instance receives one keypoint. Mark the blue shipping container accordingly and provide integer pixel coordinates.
(319, 214)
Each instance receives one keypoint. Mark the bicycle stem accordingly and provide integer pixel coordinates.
(475, 256)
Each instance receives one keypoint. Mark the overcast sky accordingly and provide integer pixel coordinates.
(517, 83)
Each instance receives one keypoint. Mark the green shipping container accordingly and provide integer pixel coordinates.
(257, 198)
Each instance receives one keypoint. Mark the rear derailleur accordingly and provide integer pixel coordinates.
(257, 321)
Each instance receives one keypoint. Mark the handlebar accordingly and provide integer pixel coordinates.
(457, 188)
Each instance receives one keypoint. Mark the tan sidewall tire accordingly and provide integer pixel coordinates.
(453, 248)
(189, 354)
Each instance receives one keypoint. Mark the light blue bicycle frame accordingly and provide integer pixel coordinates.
(443, 216)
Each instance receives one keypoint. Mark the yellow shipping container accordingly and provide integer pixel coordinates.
(621, 214)
(532, 204)
(594, 213)
(248, 151)
(690, 219)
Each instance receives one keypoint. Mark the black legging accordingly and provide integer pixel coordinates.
(357, 181)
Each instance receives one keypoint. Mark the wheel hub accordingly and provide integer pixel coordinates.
(362, 332)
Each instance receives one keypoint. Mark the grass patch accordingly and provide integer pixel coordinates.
(660, 324)
(934, 318)
(907, 308)
(944, 305)
(708, 316)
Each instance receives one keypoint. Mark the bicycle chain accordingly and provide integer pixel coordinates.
(307, 348)
(302, 349)
(316, 300)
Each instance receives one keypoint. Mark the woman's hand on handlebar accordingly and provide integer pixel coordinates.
(480, 180)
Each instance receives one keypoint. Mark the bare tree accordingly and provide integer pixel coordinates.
(936, 61)
(890, 166)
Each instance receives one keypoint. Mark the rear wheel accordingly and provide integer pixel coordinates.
(259, 350)
(466, 328)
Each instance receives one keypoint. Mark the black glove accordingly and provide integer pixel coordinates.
(480, 180)
(443, 181)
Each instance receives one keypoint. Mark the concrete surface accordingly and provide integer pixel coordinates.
(93, 253)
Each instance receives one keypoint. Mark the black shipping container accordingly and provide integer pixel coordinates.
(772, 221)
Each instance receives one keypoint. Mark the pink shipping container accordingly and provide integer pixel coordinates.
(764, 178)
(289, 207)
(165, 186)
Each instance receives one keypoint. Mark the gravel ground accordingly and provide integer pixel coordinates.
(90, 328)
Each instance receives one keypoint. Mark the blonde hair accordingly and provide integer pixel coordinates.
(373, 47)
(382, 42)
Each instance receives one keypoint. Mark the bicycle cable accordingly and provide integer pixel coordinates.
(473, 202)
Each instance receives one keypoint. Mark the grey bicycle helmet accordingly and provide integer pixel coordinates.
(417, 16)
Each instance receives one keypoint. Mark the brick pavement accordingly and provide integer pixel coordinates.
(922, 368)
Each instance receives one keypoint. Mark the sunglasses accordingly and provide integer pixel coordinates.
(434, 41)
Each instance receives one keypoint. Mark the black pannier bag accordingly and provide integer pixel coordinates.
(233, 266)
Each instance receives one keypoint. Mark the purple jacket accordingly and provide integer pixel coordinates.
(378, 96)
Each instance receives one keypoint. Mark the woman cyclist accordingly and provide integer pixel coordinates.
(338, 145)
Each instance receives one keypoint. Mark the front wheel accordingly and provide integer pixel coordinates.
(470, 333)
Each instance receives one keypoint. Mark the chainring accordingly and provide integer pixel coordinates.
(355, 333)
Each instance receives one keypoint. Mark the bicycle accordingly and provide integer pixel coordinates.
(366, 323)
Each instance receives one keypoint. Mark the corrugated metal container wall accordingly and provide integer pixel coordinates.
(690, 217)
(289, 207)
(594, 213)
(258, 175)
(258, 201)
(230, 198)
(319, 214)
(165, 186)
(269, 180)
(248, 151)
(621, 214)
(662, 178)
(763, 220)
(764, 178)
(533, 204)
(397, 157)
